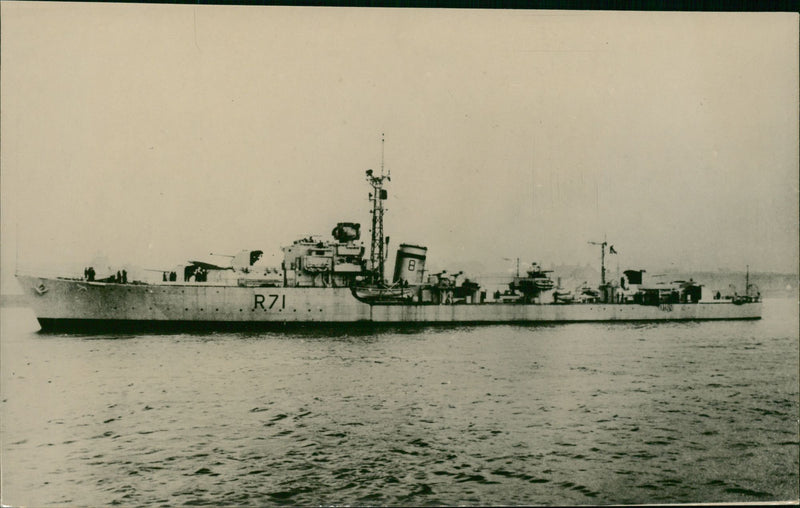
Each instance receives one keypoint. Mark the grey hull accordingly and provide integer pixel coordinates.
(73, 304)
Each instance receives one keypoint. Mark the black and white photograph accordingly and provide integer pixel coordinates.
(263, 255)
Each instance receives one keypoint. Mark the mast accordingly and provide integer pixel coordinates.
(16, 249)
(377, 244)
(602, 260)
(747, 281)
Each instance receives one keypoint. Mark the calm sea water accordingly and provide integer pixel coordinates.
(564, 414)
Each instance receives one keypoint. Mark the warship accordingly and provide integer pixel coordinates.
(334, 281)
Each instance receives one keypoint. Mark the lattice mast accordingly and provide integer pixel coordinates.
(378, 195)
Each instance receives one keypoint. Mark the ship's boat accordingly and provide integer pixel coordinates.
(379, 296)
(588, 294)
(562, 296)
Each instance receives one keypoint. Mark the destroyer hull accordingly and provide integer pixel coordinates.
(62, 304)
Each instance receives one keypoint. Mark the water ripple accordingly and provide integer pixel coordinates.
(506, 415)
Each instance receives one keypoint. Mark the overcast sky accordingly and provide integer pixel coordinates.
(158, 133)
